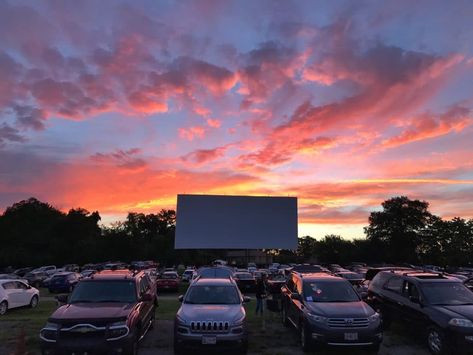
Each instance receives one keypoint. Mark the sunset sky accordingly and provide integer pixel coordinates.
(118, 106)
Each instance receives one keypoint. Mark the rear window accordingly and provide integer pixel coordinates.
(169, 276)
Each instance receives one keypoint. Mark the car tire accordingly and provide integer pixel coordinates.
(285, 320)
(34, 301)
(3, 308)
(436, 341)
(244, 348)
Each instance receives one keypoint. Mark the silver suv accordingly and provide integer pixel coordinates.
(211, 315)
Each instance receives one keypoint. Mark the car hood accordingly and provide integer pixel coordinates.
(92, 311)
(194, 312)
(464, 311)
(341, 309)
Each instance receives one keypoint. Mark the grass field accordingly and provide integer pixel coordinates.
(267, 335)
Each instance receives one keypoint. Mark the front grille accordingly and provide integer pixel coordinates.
(348, 322)
(81, 331)
(209, 327)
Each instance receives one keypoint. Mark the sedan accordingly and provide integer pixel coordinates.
(14, 293)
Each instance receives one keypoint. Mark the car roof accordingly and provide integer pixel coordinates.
(320, 276)
(211, 282)
(422, 276)
(122, 274)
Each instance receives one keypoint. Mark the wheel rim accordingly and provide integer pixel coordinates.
(34, 302)
(435, 342)
(3, 308)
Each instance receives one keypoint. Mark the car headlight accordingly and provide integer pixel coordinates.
(181, 320)
(317, 318)
(461, 322)
(374, 317)
(117, 330)
(239, 320)
(49, 332)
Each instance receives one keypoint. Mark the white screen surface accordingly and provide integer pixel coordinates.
(236, 222)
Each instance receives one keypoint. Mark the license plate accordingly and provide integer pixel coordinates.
(351, 336)
(166, 286)
(209, 340)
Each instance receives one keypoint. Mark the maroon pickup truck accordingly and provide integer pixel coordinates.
(109, 312)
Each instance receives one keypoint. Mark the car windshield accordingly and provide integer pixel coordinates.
(332, 291)
(212, 295)
(447, 293)
(104, 291)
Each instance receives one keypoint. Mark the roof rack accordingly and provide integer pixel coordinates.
(412, 273)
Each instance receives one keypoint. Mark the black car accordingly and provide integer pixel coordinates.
(107, 313)
(438, 305)
(63, 282)
(246, 281)
(326, 311)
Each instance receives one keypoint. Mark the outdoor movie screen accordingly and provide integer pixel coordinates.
(236, 222)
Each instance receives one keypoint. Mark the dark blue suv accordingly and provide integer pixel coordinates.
(63, 282)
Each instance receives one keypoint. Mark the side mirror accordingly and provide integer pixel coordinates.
(147, 297)
(181, 298)
(296, 296)
(246, 299)
(62, 299)
(414, 299)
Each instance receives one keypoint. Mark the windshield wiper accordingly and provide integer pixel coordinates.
(111, 301)
(82, 301)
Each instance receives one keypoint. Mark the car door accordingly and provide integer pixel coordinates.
(146, 308)
(392, 299)
(411, 311)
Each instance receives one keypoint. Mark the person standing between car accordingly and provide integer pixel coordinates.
(260, 293)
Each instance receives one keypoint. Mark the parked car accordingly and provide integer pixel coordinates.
(15, 293)
(87, 273)
(71, 267)
(168, 280)
(36, 278)
(246, 281)
(214, 272)
(64, 282)
(274, 283)
(107, 312)
(50, 269)
(326, 311)
(211, 315)
(352, 277)
(187, 275)
(440, 306)
(259, 273)
(23, 271)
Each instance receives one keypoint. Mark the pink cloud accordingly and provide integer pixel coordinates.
(191, 133)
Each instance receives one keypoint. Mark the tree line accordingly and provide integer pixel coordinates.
(404, 231)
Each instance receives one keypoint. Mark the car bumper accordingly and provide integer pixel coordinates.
(461, 341)
(90, 346)
(346, 337)
(222, 341)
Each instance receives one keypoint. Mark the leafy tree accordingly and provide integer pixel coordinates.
(398, 228)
